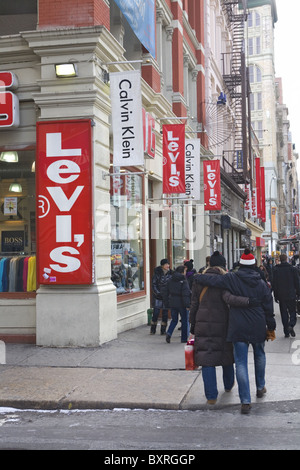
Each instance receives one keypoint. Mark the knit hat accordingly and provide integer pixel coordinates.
(189, 264)
(164, 261)
(217, 259)
(247, 258)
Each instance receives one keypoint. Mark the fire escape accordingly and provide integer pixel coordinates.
(235, 79)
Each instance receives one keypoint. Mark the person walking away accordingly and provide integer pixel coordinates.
(286, 287)
(209, 323)
(177, 296)
(161, 276)
(252, 325)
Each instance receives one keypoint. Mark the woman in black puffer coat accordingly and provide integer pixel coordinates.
(209, 324)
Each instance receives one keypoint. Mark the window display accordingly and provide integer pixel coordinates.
(127, 254)
(17, 221)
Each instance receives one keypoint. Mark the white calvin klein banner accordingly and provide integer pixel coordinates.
(192, 168)
(127, 118)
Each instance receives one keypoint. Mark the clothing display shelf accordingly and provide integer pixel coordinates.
(17, 273)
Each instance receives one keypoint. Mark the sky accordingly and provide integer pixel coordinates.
(287, 62)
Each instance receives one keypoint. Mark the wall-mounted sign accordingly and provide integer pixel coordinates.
(174, 158)
(192, 168)
(64, 202)
(212, 185)
(12, 241)
(127, 118)
(9, 102)
(10, 206)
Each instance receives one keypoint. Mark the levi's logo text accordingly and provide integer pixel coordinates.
(212, 185)
(174, 158)
(64, 204)
(9, 103)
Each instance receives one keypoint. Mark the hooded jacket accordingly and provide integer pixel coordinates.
(159, 280)
(246, 324)
(176, 293)
(285, 282)
(209, 321)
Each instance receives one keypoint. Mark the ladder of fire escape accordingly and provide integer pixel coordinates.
(233, 74)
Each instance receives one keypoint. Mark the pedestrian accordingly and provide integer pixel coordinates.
(190, 271)
(286, 288)
(269, 267)
(252, 325)
(209, 322)
(177, 296)
(160, 277)
(207, 260)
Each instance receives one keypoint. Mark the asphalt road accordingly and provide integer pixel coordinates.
(270, 426)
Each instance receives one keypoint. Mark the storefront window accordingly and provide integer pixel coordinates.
(127, 253)
(17, 221)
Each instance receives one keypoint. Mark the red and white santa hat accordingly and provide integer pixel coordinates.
(247, 258)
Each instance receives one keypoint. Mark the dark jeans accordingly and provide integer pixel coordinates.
(156, 312)
(184, 323)
(288, 313)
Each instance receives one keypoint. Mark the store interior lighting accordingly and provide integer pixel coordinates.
(9, 157)
(15, 188)
(65, 70)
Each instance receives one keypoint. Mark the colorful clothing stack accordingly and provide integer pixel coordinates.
(18, 274)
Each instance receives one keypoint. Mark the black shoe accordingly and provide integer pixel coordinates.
(292, 332)
(286, 335)
(245, 408)
(260, 393)
(163, 329)
(153, 329)
(168, 338)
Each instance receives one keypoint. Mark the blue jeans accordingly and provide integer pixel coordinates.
(210, 380)
(240, 351)
(184, 323)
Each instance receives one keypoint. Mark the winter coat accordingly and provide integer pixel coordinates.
(176, 293)
(190, 277)
(209, 321)
(246, 324)
(285, 282)
(159, 280)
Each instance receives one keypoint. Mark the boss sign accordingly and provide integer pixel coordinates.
(212, 185)
(64, 202)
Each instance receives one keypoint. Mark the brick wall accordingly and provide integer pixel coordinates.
(72, 13)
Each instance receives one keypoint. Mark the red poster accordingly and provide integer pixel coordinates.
(64, 202)
(258, 187)
(174, 158)
(263, 194)
(212, 185)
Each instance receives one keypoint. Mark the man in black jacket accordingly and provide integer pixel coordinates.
(252, 325)
(161, 276)
(286, 287)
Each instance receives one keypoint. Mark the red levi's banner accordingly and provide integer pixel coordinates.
(64, 202)
(212, 185)
(174, 158)
(263, 194)
(258, 187)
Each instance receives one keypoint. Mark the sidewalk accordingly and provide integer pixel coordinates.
(137, 370)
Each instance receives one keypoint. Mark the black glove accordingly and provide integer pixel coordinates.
(253, 302)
